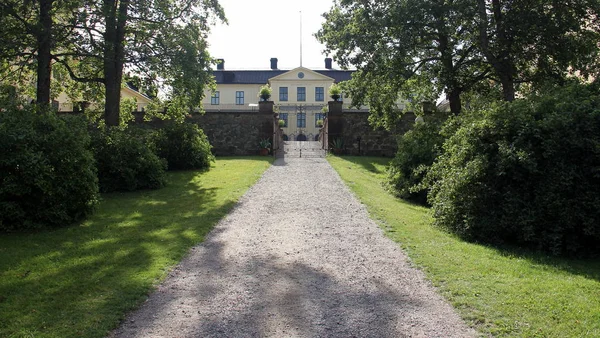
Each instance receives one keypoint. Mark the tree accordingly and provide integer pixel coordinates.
(156, 39)
(30, 33)
(95, 40)
(405, 47)
(536, 41)
(457, 46)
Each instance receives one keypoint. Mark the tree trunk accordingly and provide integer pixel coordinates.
(500, 61)
(508, 87)
(453, 97)
(448, 74)
(114, 55)
(44, 47)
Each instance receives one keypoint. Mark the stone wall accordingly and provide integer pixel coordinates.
(235, 133)
(352, 125)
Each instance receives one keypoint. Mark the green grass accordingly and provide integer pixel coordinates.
(500, 292)
(80, 281)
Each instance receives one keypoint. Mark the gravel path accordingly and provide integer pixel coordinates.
(297, 257)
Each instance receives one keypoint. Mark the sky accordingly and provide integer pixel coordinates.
(259, 30)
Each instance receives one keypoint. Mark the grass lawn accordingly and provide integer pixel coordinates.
(80, 281)
(501, 292)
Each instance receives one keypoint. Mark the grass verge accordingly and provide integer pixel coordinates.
(500, 292)
(80, 281)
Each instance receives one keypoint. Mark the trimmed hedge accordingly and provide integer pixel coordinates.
(183, 145)
(47, 172)
(125, 162)
(525, 173)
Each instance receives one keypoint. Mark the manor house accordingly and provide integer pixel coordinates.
(299, 94)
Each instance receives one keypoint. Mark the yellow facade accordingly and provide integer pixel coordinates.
(65, 103)
(302, 108)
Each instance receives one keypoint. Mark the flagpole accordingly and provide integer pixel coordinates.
(300, 38)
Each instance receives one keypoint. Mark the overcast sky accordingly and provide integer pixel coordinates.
(261, 29)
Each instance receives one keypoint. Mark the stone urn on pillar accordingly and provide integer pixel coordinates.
(335, 92)
(264, 94)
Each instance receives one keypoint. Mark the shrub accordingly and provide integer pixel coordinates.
(525, 173)
(417, 149)
(125, 162)
(183, 145)
(47, 172)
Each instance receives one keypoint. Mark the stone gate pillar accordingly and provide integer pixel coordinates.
(335, 122)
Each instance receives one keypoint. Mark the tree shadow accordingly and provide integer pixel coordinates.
(585, 267)
(368, 163)
(79, 281)
(277, 299)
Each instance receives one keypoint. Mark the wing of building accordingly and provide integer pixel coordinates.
(65, 104)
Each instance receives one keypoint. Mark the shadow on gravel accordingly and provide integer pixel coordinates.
(269, 296)
(280, 162)
(301, 301)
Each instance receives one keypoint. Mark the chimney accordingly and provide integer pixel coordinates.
(328, 63)
(220, 64)
(273, 63)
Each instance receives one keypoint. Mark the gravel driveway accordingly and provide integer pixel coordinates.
(298, 257)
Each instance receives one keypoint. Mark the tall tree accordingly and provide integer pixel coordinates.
(396, 45)
(28, 39)
(158, 39)
(537, 40)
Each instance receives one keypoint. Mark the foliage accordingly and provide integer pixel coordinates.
(319, 123)
(125, 162)
(403, 48)
(29, 35)
(281, 123)
(536, 41)
(334, 89)
(183, 145)
(163, 43)
(82, 281)
(417, 150)
(47, 173)
(264, 144)
(265, 92)
(525, 173)
(418, 49)
(501, 293)
(338, 143)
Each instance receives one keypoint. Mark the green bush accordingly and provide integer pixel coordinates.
(125, 162)
(417, 149)
(183, 145)
(47, 172)
(525, 173)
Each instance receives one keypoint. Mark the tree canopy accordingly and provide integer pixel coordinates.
(96, 41)
(422, 48)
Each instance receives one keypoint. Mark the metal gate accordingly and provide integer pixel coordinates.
(302, 133)
(303, 149)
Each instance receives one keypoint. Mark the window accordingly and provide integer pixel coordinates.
(284, 117)
(283, 94)
(301, 122)
(239, 98)
(319, 94)
(319, 116)
(301, 93)
(214, 99)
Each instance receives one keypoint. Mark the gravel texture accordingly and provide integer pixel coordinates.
(297, 257)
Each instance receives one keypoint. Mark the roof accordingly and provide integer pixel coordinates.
(263, 76)
(132, 87)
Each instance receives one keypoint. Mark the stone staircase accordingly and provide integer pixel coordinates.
(301, 149)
